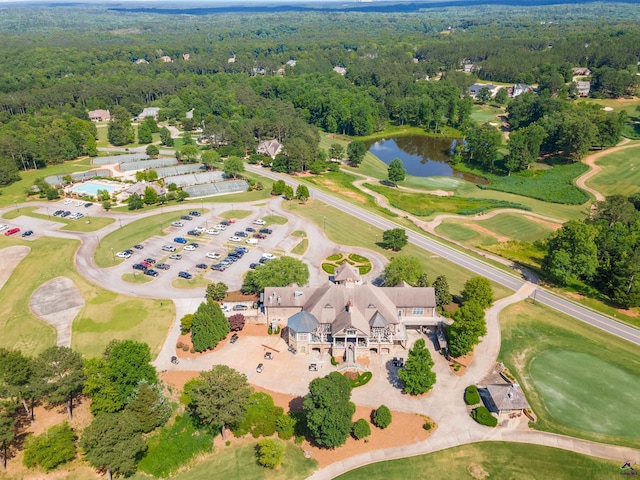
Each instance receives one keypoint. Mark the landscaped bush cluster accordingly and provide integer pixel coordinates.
(261, 417)
(54, 447)
(471, 395)
(361, 429)
(358, 379)
(382, 417)
(270, 452)
(483, 416)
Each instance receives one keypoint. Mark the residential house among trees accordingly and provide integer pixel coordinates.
(149, 112)
(349, 317)
(99, 115)
(584, 88)
(476, 87)
(269, 148)
(519, 89)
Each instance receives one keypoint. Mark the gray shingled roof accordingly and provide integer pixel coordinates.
(508, 397)
(378, 321)
(346, 271)
(303, 322)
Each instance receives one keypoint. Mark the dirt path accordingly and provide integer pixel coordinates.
(595, 169)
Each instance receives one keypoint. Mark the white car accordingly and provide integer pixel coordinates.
(270, 256)
(220, 227)
(79, 203)
(199, 229)
(252, 241)
(4, 227)
(213, 255)
(211, 231)
(259, 222)
(177, 224)
(123, 255)
(68, 201)
(189, 248)
(235, 239)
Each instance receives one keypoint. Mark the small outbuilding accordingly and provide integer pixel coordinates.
(506, 398)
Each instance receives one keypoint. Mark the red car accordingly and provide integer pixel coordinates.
(146, 264)
(12, 231)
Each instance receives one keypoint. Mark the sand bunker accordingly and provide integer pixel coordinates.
(58, 302)
(10, 257)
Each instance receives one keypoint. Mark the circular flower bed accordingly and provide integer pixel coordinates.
(363, 264)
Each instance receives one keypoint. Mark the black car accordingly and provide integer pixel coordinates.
(138, 247)
(203, 266)
(58, 212)
(186, 217)
(250, 229)
(139, 266)
(88, 204)
(267, 231)
(234, 338)
(242, 234)
(253, 266)
(226, 223)
(151, 272)
(130, 252)
(195, 213)
(163, 266)
(194, 244)
(65, 213)
(264, 260)
(193, 233)
(28, 233)
(150, 260)
(186, 275)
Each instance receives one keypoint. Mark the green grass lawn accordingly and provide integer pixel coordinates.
(618, 105)
(129, 235)
(499, 460)
(239, 463)
(456, 230)
(299, 233)
(620, 173)
(104, 317)
(275, 220)
(514, 227)
(136, 278)
(235, 213)
(195, 282)
(486, 113)
(579, 380)
(85, 224)
(301, 247)
(15, 191)
(346, 230)
(425, 205)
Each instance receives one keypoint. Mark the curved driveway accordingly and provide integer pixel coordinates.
(476, 266)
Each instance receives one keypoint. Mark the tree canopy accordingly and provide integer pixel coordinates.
(417, 374)
(279, 272)
(395, 239)
(401, 268)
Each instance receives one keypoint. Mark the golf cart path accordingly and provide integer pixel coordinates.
(595, 169)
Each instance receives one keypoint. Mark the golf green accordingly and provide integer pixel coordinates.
(584, 392)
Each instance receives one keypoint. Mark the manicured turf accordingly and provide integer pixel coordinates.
(299, 233)
(499, 460)
(514, 227)
(86, 224)
(587, 393)
(136, 278)
(275, 220)
(455, 230)
(620, 173)
(423, 205)
(135, 232)
(346, 230)
(486, 113)
(195, 282)
(573, 374)
(301, 247)
(235, 213)
(104, 317)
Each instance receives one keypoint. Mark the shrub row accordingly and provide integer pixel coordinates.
(483, 416)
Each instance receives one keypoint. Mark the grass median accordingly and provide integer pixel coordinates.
(86, 224)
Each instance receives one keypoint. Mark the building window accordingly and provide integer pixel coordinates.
(418, 311)
(303, 337)
(351, 332)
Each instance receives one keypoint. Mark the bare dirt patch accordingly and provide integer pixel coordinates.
(459, 365)
(10, 258)
(488, 232)
(334, 187)
(476, 471)
(249, 330)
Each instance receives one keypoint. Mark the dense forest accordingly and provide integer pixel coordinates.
(272, 75)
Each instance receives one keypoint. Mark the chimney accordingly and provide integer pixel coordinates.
(349, 306)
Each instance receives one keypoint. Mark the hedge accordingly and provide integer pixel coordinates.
(361, 379)
(471, 395)
(484, 417)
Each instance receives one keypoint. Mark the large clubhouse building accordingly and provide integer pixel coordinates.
(349, 315)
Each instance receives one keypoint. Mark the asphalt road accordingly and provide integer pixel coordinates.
(476, 266)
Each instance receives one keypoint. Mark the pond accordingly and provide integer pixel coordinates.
(422, 156)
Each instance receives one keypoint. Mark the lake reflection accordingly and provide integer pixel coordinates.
(422, 156)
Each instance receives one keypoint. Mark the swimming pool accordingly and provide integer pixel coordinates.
(91, 188)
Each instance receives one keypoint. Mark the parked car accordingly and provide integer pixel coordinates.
(270, 256)
(200, 229)
(267, 231)
(146, 264)
(251, 241)
(185, 275)
(186, 217)
(28, 233)
(234, 338)
(240, 306)
(58, 212)
(220, 227)
(177, 224)
(253, 266)
(293, 350)
(313, 367)
(175, 256)
(259, 222)
(195, 213)
(181, 240)
(212, 231)
(189, 248)
(139, 266)
(218, 267)
(241, 234)
(150, 260)
(202, 266)
(193, 233)
(264, 260)
(259, 368)
(119, 254)
(226, 223)
(242, 249)
(138, 246)
(213, 255)
(66, 213)
(194, 244)
(168, 248)
(163, 266)
(151, 272)
(88, 204)
(268, 356)
(250, 229)
(235, 239)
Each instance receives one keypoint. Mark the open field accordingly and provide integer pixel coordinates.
(573, 374)
(136, 232)
(15, 191)
(486, 113)
(347, 230)
(423, 205)
(620, 174)
(500, 460)
(619, 104)
(105, 315)
(235, 213)
(85, 224)
(275, 220)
